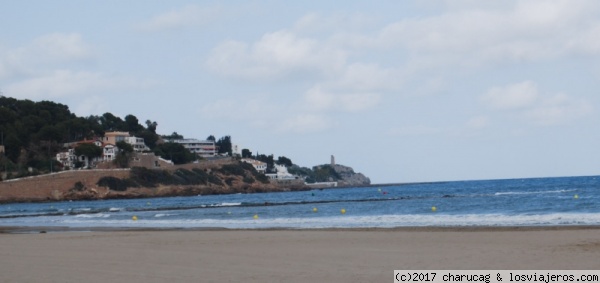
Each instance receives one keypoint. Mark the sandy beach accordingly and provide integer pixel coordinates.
(369, 255)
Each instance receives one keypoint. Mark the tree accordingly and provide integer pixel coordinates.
(282, 160)
(269, 160)
(211, 138)
(246, 153)
(112, 123)
(132, 124)
(151, 126)
(122, 158)
(173, 136)
(224, 145)
(89, 150)
(174, 152)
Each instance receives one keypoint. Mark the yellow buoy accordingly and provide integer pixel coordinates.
(343, 211)
(576, 197)
(433, 208)
(255, 216)
(134, 218)
(315, 209)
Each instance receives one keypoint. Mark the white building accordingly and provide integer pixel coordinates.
(68, 158)
(260, 166)
(137, 144)
(109, 152)
(282, 173)
(203, 148)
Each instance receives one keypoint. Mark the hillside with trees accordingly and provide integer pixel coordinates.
(32, 133)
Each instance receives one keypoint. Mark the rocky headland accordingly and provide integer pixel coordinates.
(226, 177)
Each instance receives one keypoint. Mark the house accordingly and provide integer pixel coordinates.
(282, 174)
(203, 148)
(137, 144)
(69, 159)
(260, 166)
(109, 152)
(114, 137)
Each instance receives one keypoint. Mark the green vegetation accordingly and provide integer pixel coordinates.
(78, 186)
(33, 132)
(122, 158)
(151, 178)
(325, 173)
(88, 150)
(115, 184)
(224, 145)
(174, 152)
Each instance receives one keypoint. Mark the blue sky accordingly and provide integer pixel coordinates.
(403, 91)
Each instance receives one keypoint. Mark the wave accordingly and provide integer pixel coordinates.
(534, 192)
(158, 215)
(379, 221)
(96, 215)
(86, 211)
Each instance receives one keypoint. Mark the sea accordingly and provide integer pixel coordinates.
(565, 201)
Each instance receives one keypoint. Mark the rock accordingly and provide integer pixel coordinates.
(349, 177)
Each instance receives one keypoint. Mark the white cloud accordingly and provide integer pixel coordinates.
(315, 23)
(513, 96)
(473, 34)
(368, 77)
(44, 52)
(537, 108)
(60, 46)
(319, 99)
(257, 110)
(61, 83)
(188, 16)
(90, 105)
(306, 123)
(559, 109)
(276, 55)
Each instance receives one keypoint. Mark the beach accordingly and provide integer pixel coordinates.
(329, 255)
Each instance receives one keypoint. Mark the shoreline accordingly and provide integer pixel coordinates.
(66, 229)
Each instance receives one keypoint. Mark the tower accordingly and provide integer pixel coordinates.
(332, 160)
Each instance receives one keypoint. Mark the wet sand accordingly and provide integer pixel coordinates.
(332, 255)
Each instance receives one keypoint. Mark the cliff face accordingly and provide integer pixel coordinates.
(349, 177)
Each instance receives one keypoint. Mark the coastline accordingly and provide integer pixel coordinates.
(287, 255)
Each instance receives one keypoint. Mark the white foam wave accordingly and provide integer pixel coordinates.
(96, 215)
(230, 204)
(163, 215)
(115, 209)
(535, 192)
(381, 221)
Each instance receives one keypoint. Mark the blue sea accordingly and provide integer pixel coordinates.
(516, 202)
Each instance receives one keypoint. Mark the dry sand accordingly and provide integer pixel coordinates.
(369, 255)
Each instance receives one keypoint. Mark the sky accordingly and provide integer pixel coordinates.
(402, 91)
